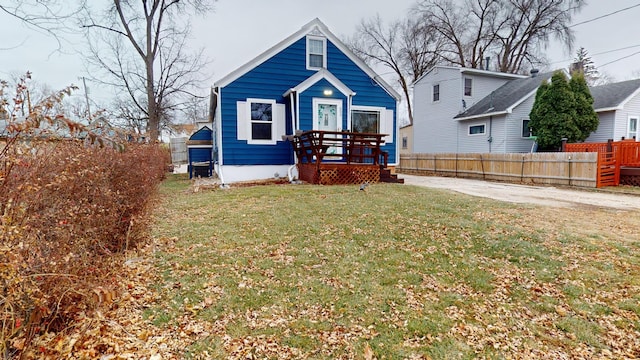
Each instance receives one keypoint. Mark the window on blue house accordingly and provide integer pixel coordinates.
(365, 121)
(261, 121)
(316, 52)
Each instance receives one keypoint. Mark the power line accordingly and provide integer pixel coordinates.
(600, 53)
(605, 15)
(616, 60)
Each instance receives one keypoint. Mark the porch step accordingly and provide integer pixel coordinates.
(387, 177)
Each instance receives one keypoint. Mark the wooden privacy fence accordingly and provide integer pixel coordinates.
(576, 169)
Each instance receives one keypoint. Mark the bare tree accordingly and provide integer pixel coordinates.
(142, 47)
(47, 16)
(514, 32)
(405, 47)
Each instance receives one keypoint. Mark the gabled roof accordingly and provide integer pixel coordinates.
(313, 26)
(464, 70)
(614, 96)
(321, 74)
(505, 98)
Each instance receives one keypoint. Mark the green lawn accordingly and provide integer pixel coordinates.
(396, 272)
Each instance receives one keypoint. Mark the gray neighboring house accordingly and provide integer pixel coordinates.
(500, 121)
(441, 94)
(618, 107)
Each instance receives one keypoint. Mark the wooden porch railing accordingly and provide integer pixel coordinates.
(340, 146)
(612, 156)
(333, 157)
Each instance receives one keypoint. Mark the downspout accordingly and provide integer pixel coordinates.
(490, 139)
(293, 131)
(218, 142)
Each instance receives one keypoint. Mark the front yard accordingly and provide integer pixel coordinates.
(301, 271)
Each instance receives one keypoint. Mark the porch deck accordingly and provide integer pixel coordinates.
(618, 161)
(331, 157)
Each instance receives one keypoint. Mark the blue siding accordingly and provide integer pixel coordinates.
(316, 91)
(203, 134)
(271, 79)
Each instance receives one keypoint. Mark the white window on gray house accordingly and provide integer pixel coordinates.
(468, 84)
(316, 52)
(436, 92)
(632, 130)
(405, 142)
(526, 130)
(365, 121)
(261, 121)
(478, 129)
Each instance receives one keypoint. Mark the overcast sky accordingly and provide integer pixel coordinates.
(239, 30)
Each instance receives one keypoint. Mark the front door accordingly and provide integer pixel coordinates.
(328, 117)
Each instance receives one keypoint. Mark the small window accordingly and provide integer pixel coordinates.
(477, 129)
(436, 92)
(526, 130)
(405, 142)
(632, 130)
(261, 120)
(316, 53)
(467, 86)
(365, 121)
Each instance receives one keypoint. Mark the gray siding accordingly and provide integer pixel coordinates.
(434, 128)
(631, 108)
(515, 142)
(605, 128)
(433, 124)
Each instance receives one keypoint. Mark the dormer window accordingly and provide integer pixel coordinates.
(316, 52)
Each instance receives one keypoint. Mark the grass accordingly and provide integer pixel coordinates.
(323, 272)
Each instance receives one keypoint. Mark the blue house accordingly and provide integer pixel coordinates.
(309, 81)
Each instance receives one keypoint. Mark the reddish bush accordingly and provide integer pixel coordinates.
(65, 207)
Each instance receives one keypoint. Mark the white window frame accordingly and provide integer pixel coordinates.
(631, 134)
(379, 110)
(433, 93)
(464, 86)
(522, 129)
(250, 139)
(484, 129)
(324, 52)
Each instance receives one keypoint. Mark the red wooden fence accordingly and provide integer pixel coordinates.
(612, 156)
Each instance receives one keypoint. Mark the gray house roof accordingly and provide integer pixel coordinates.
(505, 98)
(613, 96)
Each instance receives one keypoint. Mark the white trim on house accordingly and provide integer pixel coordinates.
(378, 109)
(312, 27)
(321, 74)
(244, 121)
(237, 173)
(329, 101)
(471, 71)
(324, 52)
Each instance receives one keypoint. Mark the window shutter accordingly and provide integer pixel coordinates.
(387, 125)
(279, 116)
(242, 121)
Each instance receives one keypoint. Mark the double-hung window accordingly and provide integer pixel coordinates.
(436, 92)
(316, 53)
(261, 120)
(468, 85)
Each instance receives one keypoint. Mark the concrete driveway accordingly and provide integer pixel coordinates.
(538, 195)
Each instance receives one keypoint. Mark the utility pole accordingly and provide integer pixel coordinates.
(86, 97)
